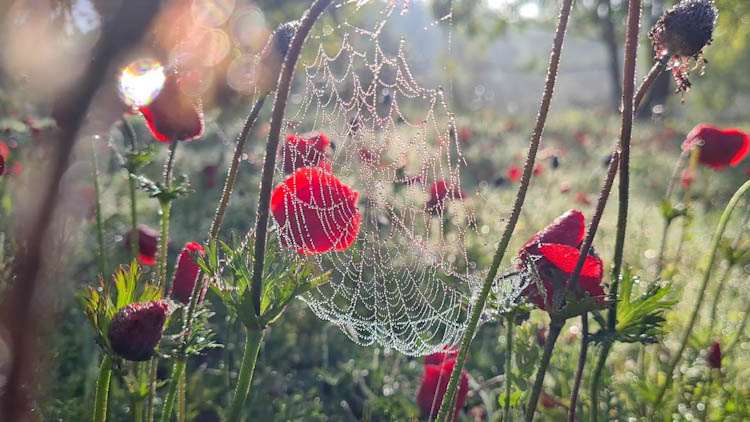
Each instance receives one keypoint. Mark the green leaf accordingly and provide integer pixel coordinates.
(641, 319)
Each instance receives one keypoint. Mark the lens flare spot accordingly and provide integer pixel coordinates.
(213, 13)
(140, 82)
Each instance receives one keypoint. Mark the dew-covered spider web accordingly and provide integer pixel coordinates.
(408, 280)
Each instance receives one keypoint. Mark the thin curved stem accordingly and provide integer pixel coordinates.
(581, 366)
(277, 117)
(130, 134)
(231, 181)
(536, 135)
(253, 340)
(656, 70)
(628, 107)
(723, 221)
(102, 389)
(555, 327)
(508, 364)
(165, 208)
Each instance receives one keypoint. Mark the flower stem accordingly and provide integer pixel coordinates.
(98, 204)
(102, 389)
(253, 340)
(177, 370)
(581, 366)
(130, 134)
(628, 106)
(508, 364)
(656, 70)
(555, 327)
(536, 135)
(231, 180)
(723, 221)
(277, 117)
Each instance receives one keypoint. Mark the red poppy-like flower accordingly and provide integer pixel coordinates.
(434, 383)
(538, 169)
(173, 115)
(441, 191)
(582, 198)
(437, 358)
(514, 173)
(565, 187)
(148, 243)
(307, 150)
(718, 148)
(316, 212)
(553, 253)
(713, 357)
(137, 328)
(186, 273)
(465, 134)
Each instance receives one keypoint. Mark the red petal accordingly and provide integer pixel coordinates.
(565, 258)
(173, 116)
(719, 148)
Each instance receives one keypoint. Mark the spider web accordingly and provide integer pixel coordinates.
(408, 280)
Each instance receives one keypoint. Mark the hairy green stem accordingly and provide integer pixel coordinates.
(508, 364)
(723, 221)
(177, 370)
(102, 261)
(628, 107)
(536, 135)
(130, 134)
(581, 366)
(555, 327)
(102, 389)
(253, 340)
(181, 413)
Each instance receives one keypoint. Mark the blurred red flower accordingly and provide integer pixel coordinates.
(148, 243)
(306, 150)
(538, 169)
(434, 383)
(582, 198)
(186, 273)
(2, 165)
(465, 134)
(437, 358)
(553, 252)
(514, 173)
(316, 212)
(209, 176)
(687, 178)
(441, 191)
(718, 148)
(173, 115)
(713, 357)
(137, 328)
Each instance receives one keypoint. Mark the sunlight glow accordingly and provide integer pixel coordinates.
(140, 82)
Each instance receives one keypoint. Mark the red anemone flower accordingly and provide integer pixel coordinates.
(137, 328)
(437, 358)
(514, 173)
(307, 150)
(718, 148)
(553, 253)
(465, 134)
(713, 358)
(148, 241)
(173, 115)
(442, 191)
(316, 212)
(434, 383)
(186, 273)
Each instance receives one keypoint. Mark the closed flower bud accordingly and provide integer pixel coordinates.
(137, 328)
(273, 55)
(148, 241)
(186, 273)
(713, 357)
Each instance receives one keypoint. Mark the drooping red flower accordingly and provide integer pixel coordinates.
(553, 254)
(437, 358)
(718, 148)
(434, 383)
(148, 243)
(514, 173)
(306, 150)
(316, 212)
(442, 191)
(713, 357)
(173, 115)
(186, 273)
(137, 328)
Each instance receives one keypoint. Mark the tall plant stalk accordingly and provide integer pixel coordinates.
(555, 327)
(253, 341)
(449, 399)
(508, 364)
(131, 136)
(720, 228)
(102, 389)
(628, 107)
(583, 354)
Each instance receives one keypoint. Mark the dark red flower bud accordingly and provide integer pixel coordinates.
(2, 165)
(273, 55)
(718, 148)
(316, 212)
(681, 33)
(148, 243)
(441, 192)
(306, 150)
(713, 357)
(437, 358)
(209, 176)
(434, 384)
(186, 273)
(553, 254)
(173, 115)
(137, 328)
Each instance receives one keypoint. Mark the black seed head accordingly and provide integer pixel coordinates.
(685, 29)
(137, 328)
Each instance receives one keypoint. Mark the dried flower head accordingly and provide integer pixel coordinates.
(137, 328)
(681, 33)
